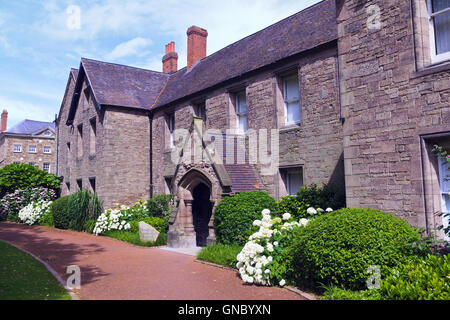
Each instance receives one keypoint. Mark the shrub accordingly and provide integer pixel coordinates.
(19, 176)
(234, 215)
(33, 212)
(160, 224)
(59, 211)
(263, 260)
(12, 203)
(422, 278)
(337, 248)
(311, 196)
(160, 205)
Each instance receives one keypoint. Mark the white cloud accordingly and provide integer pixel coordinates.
(135, 47)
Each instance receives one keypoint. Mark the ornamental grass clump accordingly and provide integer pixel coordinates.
(263, 260)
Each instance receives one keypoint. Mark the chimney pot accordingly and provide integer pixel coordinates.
(4, 121)
(170, 60)
(196, 45)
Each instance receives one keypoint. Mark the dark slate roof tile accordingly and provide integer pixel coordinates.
(30, 127)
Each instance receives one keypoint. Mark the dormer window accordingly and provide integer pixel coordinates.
(47, 133)
(439, 16)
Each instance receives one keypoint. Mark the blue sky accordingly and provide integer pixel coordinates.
(41, 40)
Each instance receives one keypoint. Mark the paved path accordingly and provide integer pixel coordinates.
(111, 269)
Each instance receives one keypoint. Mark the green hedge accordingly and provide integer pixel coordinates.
(59, 210)
(159, 205)
(234, 216)
(420, 279)
(160, 224)
(337, 248)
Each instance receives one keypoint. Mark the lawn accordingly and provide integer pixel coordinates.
(221, 254)
(24, 278)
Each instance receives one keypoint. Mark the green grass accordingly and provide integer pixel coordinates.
(133, 237)
(24, 278)
(224, 255)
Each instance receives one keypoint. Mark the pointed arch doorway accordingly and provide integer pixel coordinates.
(191, 223)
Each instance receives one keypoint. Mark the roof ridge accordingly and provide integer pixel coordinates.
(126, 66)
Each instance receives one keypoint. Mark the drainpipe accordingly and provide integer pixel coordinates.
(150, 119)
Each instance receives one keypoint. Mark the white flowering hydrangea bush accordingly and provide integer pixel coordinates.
(113, 219)
(31, 213)
(263, 259)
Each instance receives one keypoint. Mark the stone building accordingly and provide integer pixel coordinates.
(30, 141)
(351, 93)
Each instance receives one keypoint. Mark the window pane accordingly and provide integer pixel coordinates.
(442, 32)
(295, 182)
(292, 112)
(291, 89)
(439, 5)
(241, 103)
(242, 123)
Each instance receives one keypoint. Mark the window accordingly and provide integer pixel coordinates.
(47, 149)
(291, 95)
(439, 15)
(17, 148)
(241, 112)
(46, 167)
(47, 133)
(68, 187)
(80, 184)
(201, 112)
(80, 141)
(32, 163)
(293, 179)
(32, 149)
(93, 136)
(171, 125)
(92, 184)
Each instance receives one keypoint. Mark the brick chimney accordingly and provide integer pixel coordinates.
(196, 46)
(4, 121)
(170, 60)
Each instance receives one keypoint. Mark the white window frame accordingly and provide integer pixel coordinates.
(285, 101)
(17, 148)
(241, 116)
(435, 58)
(49, 148)
(49, 166)
(29, 149)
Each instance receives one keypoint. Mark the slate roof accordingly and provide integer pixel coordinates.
(119, 85)
(31, 127)
(302, 31)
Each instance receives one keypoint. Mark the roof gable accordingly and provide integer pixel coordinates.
(118, 85)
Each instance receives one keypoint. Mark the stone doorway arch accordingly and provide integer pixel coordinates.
(191, 223)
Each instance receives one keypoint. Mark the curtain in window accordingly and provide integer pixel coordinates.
(442, 26)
